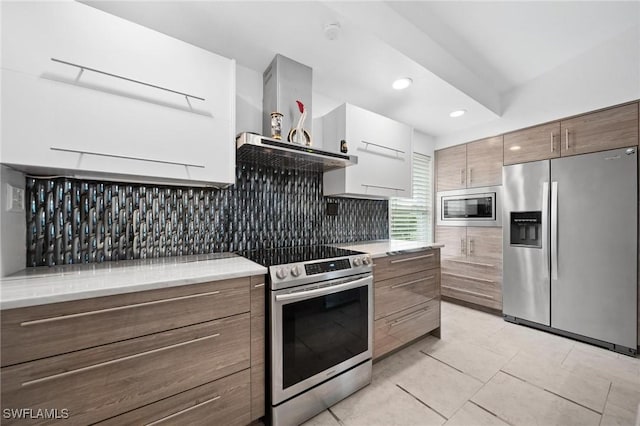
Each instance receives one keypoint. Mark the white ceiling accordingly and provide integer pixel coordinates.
(459, 54)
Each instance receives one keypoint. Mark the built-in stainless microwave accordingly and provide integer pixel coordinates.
(470, 207)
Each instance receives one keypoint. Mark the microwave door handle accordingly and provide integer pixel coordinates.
(323, 291)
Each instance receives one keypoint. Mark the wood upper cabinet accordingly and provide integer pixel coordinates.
(451, 165)
(599, 131)
(533, 144)
(484, 162)
(471, 165)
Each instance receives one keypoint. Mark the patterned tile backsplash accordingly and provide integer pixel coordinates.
(72, 221)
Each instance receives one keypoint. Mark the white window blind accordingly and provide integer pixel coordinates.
(410, 218)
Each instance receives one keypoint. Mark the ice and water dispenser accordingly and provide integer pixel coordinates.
(526, 229)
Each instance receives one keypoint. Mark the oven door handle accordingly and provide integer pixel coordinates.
(322, 291)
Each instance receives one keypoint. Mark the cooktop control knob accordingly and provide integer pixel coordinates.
(366, 260)
(295, 271)
(357, 261)
(282, 273)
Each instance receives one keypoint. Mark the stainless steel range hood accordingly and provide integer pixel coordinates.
(253, 148)
(284, 82)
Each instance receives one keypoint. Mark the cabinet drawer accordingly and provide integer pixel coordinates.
(397, 329)
(488, 269)
(223, 402)
(98, 383)
(40, 331)
(479, 290)
(400, 293)
(403, 264)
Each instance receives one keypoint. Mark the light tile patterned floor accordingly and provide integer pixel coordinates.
(485, 371)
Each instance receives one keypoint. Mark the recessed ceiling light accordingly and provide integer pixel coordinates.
(515, 148)
(458, 113)
(402, 83)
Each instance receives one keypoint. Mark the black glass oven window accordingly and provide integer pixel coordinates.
(466, 208)
(322, 332)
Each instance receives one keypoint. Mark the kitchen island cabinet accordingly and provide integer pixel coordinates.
(181, 352)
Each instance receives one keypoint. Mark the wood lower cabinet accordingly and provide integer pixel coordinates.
(599, 131)
(258, 324)
(472, 267)
(533, 144)
(222, 402)
(402, 327)
(46, 330)
(406, 298)
(155, 367)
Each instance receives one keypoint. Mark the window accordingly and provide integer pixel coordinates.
(411, 218)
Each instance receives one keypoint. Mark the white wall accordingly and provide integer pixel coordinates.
(13, 226)
(423, 143)
(607, 75)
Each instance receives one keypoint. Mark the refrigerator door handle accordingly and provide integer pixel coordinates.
(545, 227)
(554, 230)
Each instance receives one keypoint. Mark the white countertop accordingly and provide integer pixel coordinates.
(39, 286)
(381, 248)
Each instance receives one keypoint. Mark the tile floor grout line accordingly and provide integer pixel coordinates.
(606, 401)
(340, 422)
(570, 400)
(423, 403)
(481, 387)
(553, 393)
(451, 366)
(567, 355)
(490, 412)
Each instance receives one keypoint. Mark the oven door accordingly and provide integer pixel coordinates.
(318, 331)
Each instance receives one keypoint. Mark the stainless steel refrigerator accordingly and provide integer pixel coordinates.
(570, 246)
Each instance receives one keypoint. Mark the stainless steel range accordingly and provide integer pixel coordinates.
(320, 328)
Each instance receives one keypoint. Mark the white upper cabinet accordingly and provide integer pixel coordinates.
(88, 94)
(383, 147)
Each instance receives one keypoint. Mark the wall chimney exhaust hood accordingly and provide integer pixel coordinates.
(286, 81)
(253, 148)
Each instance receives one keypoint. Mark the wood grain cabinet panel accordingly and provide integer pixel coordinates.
(400, 293)
(484, 162)
(451, 165)
(97, 383)
(484, 242)
(533, 144)
(258, 325)
(480, 291)
(454, 239)
(222, 402)
(395, 330)
(40, 331)
(599, 131)
(393, 266)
